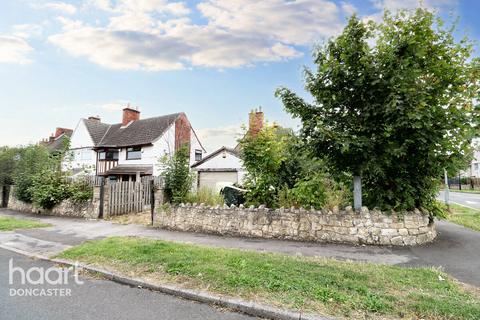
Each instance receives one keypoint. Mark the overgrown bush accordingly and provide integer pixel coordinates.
(207, 196)
(49, 188)
(281, 173)
(32, 160)
(177, 176)
(80, 191)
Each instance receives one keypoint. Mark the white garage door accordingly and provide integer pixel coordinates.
(217, 180)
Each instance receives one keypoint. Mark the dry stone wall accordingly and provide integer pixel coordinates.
(67, 208)
(338, 226)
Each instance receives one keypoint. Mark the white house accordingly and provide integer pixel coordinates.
(224, 166)
(132, 148)
(220, 168)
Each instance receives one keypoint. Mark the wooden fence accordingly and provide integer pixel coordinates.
(128, 197)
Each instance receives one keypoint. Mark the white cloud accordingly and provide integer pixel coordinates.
(159, 35)
(14, 49)
(27, 30)
(292, 22)
(63, 7)
(395, 5)
(215, 138)
(348, 8)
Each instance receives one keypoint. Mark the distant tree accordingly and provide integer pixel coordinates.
(8, 163)
(32, 161)
(396, 113)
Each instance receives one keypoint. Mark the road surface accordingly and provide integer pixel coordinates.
(94, 299)
(466, 199)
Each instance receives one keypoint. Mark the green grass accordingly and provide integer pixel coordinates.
(9, 224)
(464, 216)
(323, 286)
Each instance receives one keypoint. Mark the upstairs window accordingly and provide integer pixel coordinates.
(198, 155)
(106, 155)
(134, 153)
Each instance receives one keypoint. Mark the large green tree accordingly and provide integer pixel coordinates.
(393, 103)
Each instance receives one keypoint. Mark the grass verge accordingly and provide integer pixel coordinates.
(9, 224)
(464, 216)
(323, 286)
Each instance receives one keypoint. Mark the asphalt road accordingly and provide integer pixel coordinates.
(466, 199)
(94, 299)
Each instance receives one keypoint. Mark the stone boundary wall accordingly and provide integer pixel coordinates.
(67, 208)
(339, 226)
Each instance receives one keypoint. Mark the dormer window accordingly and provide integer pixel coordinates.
(134, 153)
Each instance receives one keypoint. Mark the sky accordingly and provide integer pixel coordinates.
(215, 60)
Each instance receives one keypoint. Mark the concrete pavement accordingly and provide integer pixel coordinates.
(465, 199)
(456, 248)
(94, 299)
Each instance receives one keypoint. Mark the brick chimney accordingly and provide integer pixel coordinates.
(255, 122)
(129, 115)
(60, 131)
(95, 118)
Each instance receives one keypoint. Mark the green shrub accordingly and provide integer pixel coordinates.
(207, 196)
(49, 189)
(81, 191)
(177, 176)
(32, 160)
(318, 192)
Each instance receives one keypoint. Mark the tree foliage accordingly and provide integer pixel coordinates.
(8, 164)
(33, 160)
(281, 173)
(398, 112)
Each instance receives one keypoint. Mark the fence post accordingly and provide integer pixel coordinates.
(152, 199)
(357, 192)
(102, 198)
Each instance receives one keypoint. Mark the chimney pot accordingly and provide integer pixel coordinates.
(130, 115)
(94, 118)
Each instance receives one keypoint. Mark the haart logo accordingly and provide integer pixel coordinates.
(44, 278)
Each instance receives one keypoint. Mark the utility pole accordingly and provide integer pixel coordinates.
(447, 189)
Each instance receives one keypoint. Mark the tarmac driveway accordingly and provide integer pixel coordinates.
(456, 249)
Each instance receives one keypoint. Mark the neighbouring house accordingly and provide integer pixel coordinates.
(224, 166)
(131, 149)
(58, 141)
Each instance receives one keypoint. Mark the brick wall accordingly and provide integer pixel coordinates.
(182, 132)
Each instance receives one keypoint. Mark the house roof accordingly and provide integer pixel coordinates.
(59, 142)
(139, 132)
(130, 169)
(96, 129)
(215, 153)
